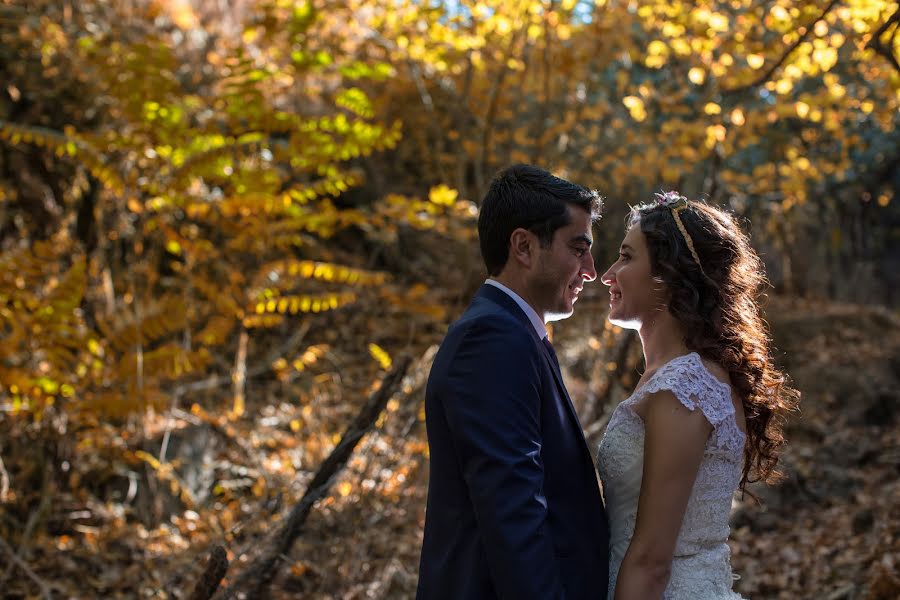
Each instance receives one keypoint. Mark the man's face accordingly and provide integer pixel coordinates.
(562, 268)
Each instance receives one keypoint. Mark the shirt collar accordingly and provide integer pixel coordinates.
(536, 321)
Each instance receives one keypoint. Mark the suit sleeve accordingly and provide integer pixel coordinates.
(493, 408)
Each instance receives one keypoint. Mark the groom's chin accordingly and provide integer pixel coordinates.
(559, 315)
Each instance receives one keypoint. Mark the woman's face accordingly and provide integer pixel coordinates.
(635, 296)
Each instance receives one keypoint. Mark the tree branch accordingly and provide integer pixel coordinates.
(45, 589)
(764, 77)
(264, 366)
(251, 582)
(876, 44)
(215, 570)
(601, 398)
(4, 482)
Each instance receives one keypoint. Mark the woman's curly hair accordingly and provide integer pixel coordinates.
(717, 302)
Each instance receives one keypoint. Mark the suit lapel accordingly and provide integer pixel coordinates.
(561, 386)
(500, 297)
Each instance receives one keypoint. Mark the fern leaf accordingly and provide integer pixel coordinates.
(62, 144)
(303, 303)
(158, 318)
(216, 331)
(320, 271)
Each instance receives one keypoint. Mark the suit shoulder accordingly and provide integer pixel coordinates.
(494, 324)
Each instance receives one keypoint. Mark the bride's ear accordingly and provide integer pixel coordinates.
(522, 245)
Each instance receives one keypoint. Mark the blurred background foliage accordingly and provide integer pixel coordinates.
(219, 221)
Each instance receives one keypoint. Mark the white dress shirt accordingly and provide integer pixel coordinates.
(536, 321)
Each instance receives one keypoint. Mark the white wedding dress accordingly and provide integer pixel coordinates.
(701, 569)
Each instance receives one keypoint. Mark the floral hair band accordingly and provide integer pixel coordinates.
(676, 203)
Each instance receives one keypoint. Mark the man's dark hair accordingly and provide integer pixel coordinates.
(533, 199)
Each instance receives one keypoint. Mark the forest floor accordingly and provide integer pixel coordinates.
(829, 531)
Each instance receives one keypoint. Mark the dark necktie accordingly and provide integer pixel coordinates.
(549, 346)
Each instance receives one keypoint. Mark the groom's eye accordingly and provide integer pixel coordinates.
(579, 252)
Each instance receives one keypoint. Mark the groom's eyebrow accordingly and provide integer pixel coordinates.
(583, 238)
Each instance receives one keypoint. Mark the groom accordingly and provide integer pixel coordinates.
(514, 510)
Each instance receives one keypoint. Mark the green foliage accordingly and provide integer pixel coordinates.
(196, 211)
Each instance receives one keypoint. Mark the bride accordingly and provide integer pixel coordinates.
(706, 416)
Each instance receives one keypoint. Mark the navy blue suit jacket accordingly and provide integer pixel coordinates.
(514, 509)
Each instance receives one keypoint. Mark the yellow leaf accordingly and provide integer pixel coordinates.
(147, 458)
(756, 61)
(712, 108)
(380, 355)
(718, 22)
(697, 75)
(443, 195)
(636, 107)
(784, 86)
(259, 487)
(657, 48)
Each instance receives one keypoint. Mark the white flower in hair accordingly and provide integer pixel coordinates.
(669, 199)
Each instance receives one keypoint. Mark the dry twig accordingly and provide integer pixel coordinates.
(251, 582)
(4, 481)
(45, 589)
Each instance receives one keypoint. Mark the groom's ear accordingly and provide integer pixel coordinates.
(522, 244)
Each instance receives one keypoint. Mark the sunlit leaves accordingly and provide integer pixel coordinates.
(355, 100)
(168, 361)
(697, 75)
(443, 195)
(303, 303)
(322, 271)
(756, 61)
(380, 355)
(635, 106)
(63, 145)
(657, 54)
(360, 70)
(285, 368)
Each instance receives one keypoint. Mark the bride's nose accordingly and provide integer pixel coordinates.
(609, 277)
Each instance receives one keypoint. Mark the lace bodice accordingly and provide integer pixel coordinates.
(700, 568)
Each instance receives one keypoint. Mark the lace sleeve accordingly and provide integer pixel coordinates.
(695, 387)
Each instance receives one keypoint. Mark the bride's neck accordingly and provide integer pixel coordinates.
(663, 339)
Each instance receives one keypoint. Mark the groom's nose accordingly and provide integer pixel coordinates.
(588, 271)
